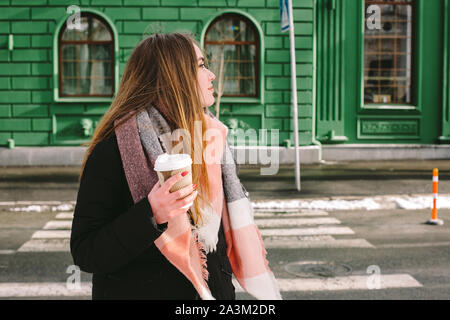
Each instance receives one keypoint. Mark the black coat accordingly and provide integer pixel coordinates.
(113, 238)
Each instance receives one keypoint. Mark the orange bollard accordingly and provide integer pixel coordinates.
(435, 193)
(434, 219)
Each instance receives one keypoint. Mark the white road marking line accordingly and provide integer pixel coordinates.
(357, 282)
(43, 289)
(289, 215)
(7, 203)
(64, 215)
(7, 251)
(306, 231)
(46, 245)
(289, 211)
(414, 245)
(51, 234)
(61, 224)
(301, 238)
(45, 240)
(361, 282)
(340, 243)
(267, 223)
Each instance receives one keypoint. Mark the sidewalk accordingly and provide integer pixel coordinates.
(348, 178)
(328, 181)
(348, 185)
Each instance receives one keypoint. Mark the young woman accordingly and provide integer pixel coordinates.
(128, 229)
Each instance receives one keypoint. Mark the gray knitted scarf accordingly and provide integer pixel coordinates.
(141, 140)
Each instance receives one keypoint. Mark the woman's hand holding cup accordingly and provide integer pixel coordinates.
(167, 205)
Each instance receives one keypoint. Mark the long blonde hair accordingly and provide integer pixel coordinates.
(162, 70)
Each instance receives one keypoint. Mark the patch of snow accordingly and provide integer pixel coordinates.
(32, 208)
(373, 203)
(422, 202)
(63, 207)
(43, 208)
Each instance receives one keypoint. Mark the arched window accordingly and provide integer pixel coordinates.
(232, 41)
(86, 58)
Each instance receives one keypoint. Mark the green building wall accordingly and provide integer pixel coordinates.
(329, 56)
(30, 115)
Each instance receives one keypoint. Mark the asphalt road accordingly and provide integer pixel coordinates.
(401, 244)
(319, 180)
(410, 259)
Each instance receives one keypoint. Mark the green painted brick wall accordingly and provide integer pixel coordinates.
(15, 124)
(163, 13)
(5, 111)
(41, 69)
(27, 106)
(14, 69)
(30, 83)
(5, 83)
(31, 138)
(4, 136)
(41, 124)
(29, 110)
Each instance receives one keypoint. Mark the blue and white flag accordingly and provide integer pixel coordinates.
(284, 15)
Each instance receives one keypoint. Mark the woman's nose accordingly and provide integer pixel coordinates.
(212, 76)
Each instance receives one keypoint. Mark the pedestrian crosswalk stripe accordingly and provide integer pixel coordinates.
(61, 224)
(64, 215)
(289, 215)
(353, 282)
(51, 234)
(290, 211)
(356, 282)
(265, 223)
(63, 245)
(7, 251)
(43, 289)
(414, 245)
(306, 231)
(320, 237)
(320, 230)
(55, 235)
(334, 243)
(46, 245)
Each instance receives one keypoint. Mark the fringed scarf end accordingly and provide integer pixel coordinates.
(203, 259)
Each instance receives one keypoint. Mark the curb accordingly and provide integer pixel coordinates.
(73, 156)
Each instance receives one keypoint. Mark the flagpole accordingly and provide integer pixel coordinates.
(294, 94)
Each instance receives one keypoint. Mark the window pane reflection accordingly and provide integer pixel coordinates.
(86, 59)
(233, 39)
(388, 54)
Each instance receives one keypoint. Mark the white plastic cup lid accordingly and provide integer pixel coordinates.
(170, 162)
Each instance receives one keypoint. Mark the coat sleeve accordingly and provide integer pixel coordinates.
(108, 230)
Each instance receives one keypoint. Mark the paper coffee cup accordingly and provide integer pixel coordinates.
(167, 165)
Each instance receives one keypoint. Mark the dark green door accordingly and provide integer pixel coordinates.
(445, 136)
(379, 71)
